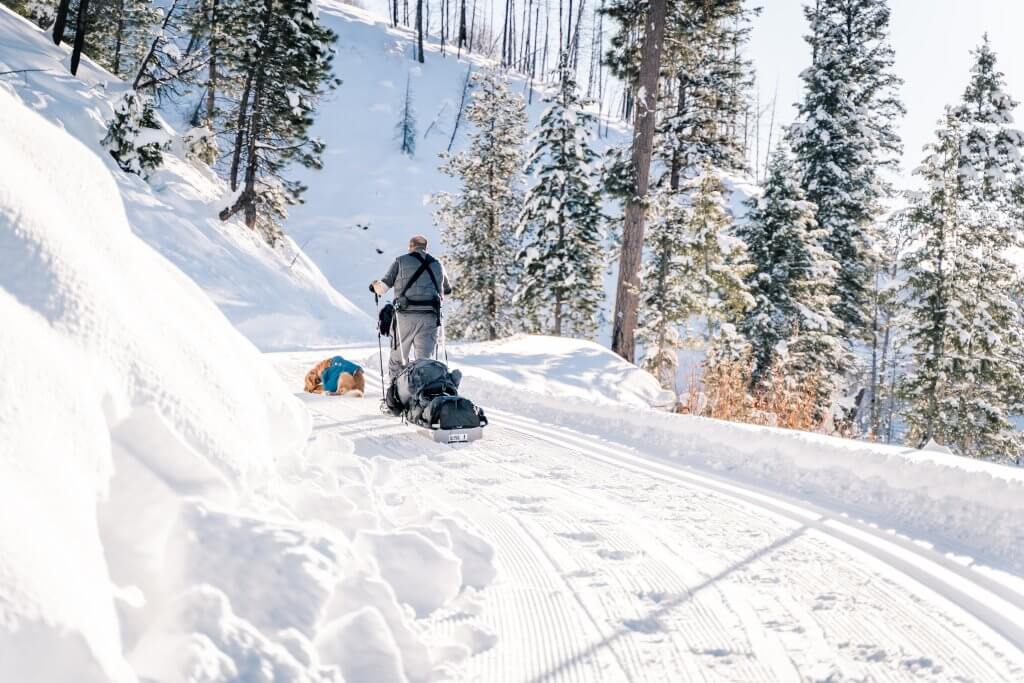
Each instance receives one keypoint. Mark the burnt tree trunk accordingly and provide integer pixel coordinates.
(419, 31)
(81, 27)
(627, 293)
(61, 21)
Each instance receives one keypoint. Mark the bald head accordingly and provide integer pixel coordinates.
(417, 243)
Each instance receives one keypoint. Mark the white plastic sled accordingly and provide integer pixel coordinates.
(453, 436)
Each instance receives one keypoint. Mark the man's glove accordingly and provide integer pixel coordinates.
(378, 287)
(372, 290)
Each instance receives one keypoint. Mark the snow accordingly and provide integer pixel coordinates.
(170, 513)
(177, 510)
(569, 369)
(277, 297)
(633, 544)
(370, 196)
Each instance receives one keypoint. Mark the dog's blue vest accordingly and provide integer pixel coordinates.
(333, 373)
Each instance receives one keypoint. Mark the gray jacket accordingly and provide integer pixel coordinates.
(402, 270)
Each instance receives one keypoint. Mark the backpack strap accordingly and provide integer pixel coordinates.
(425, 263)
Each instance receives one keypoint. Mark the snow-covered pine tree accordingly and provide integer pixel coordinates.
(282, 52)
(134, 136)
(717, 257)
(667, 299)
(966, 330)
(41, 12)
(791, 282)
(845, 137)
(705, 88)
(695, 272)
(173, 54)
(990, 171)
(405, 129)
(938, 290)
(478, 223)
(992, 162)
(561, 224)
(200, 145)
(887, 328)
(117, 32)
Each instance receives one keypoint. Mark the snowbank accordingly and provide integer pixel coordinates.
(277, 297)
(570, 369)
(966, 506)
(169, 514)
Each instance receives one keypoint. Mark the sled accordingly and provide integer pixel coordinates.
(453, 436)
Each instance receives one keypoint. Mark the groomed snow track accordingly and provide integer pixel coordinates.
(618, 565)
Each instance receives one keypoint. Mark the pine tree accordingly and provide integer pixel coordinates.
(405, 129)
(284, 72)
(887, 328)
(845, 137)
(561, 222)
(135, 137)
(717, 258)
(478, 222)
(966, 330)
(705, 89)
(695, 272)
(667, 300)
(992, 162)
(791, 322)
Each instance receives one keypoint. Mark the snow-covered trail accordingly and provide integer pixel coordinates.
(616, 566)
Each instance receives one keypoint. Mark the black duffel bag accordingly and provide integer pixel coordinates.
(453, 412)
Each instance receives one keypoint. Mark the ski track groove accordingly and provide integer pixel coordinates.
(632, 581)
(785, 620)
(897, 606)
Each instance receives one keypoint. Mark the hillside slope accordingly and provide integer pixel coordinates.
(361, 209)
(369, 198)
(170, 513)
(276, 297)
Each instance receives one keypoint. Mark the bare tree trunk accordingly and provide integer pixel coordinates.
(211, 87)
(80, 29)
(627, 293)
(462, 105)
(462, 26)
(118, 39)
(574, 48)
(419, 31)
(240, 126)
(61, 21)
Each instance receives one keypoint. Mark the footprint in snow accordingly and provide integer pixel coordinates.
(580, 574)
(527, 500)
(606, 554)
(646, 625)
(483, 481)
(581, 536)
(455, 465)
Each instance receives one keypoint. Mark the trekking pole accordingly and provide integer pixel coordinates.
(380, 348)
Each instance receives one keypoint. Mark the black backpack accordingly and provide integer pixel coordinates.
(386, 316)
(428, 395)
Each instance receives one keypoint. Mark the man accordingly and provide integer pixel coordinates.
(420, 284)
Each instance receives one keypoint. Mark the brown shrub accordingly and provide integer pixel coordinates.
(723, 391)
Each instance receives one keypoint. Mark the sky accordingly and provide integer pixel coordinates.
(932, 40)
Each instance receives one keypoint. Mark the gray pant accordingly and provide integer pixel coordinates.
(412, 330)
